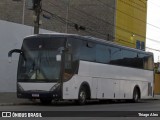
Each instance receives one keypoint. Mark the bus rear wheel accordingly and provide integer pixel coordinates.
(136, 96)
(82, 97)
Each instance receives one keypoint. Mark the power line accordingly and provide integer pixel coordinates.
(139, 4)
(114, 25)
(74, 12)
(71, 23)
(153, 49)
(78, 19)
(124, 1)
(154, 4)
(128, 14)
(63, 20)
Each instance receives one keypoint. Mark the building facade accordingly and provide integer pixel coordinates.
(121, 21)
(94, 16)
(131, 20)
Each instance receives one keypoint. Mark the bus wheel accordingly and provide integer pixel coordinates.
(46, 101)
(82, 97)
(136, 96)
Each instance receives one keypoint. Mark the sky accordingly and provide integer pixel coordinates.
(153, 28)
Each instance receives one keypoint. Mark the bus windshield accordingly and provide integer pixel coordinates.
(39, 63)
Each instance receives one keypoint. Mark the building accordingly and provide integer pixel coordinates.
(122, 21)
(93, 15)
(131, 20)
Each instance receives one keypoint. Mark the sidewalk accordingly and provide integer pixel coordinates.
(11, 99)
(156, 97)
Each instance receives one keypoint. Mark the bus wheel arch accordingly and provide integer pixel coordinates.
(84, 93)
(136, 94)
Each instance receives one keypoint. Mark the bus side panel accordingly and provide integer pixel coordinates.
(71, 88)
(125, 89)
(108, 81)
(120, 81)
(103, 90)
(144, 89)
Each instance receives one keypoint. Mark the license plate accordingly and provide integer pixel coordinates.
(35, 95)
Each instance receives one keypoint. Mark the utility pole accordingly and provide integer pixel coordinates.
(23, 15)
(37, 9)
(68, 4)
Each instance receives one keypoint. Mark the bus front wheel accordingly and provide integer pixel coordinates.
(82, 97)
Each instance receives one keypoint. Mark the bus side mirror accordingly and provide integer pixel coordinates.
(9, 59)
(58, 57)
(14, 51)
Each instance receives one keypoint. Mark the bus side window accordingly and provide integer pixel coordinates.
(150, 62)
(88, 51)
(75, 46)
(147, 61)
(68, 61)
(116, 56)
(142, 61)
(102, 54)
(129, 58)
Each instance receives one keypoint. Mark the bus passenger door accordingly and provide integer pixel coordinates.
(94, 88)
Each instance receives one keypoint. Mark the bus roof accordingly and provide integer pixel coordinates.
(90, 38)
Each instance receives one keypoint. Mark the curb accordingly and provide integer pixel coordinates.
(30, 102)
(13, 104)
(8, 104)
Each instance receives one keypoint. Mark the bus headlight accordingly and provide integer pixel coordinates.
(55, 87)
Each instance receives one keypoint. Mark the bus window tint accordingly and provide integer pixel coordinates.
(102, 54)
(115, 56)
(149, 62)
(88, 51)
(129, 58)
(75, 46)
(146, 61)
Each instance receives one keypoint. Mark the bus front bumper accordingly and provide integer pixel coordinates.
(39, 94)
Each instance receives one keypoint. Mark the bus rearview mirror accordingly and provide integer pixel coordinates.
(9, 59)
(14, 51)
(58, 57)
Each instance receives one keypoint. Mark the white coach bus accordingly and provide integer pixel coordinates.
(80, 68)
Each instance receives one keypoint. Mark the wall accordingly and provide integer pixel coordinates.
(130, 22)
(157, 84)
(96, 15)
(11, 36)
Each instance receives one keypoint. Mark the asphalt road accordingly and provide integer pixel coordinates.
(93, 110)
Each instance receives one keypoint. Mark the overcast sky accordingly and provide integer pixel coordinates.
(153, 28)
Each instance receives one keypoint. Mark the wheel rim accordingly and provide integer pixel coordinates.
(82, 96)
(136, 97)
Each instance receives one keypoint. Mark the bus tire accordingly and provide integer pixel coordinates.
(45, 101)
(136, 95)
(82, 97)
